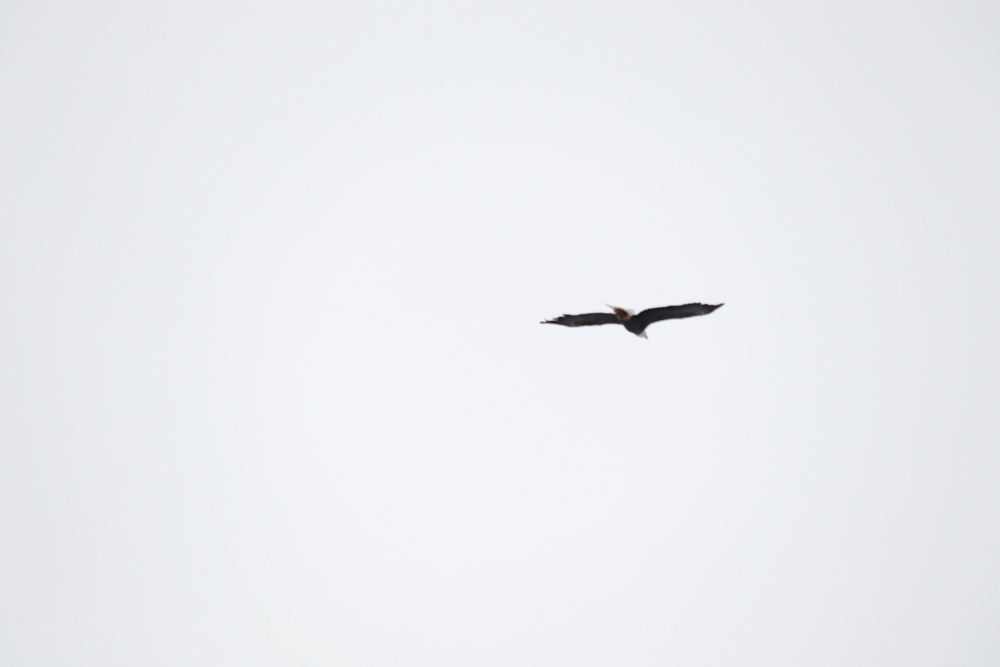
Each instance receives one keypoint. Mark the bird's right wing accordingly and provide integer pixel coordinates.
(585, 320)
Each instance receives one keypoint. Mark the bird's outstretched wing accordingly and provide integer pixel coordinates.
(650, 315)
(585, 320)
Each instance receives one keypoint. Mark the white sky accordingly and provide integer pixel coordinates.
(275, 391)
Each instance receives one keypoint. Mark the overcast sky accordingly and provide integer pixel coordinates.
(274, 390)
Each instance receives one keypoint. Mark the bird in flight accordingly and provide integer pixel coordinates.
(634, 322)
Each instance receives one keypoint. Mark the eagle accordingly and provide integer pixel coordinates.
(634, 322)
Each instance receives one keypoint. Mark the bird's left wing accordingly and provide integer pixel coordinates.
(651, 315)
(585, 320)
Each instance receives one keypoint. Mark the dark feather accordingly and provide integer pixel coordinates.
(642, 320)
(585, 320)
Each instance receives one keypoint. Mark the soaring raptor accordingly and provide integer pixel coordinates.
(634, 322)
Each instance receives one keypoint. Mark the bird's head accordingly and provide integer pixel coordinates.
(622, 313)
